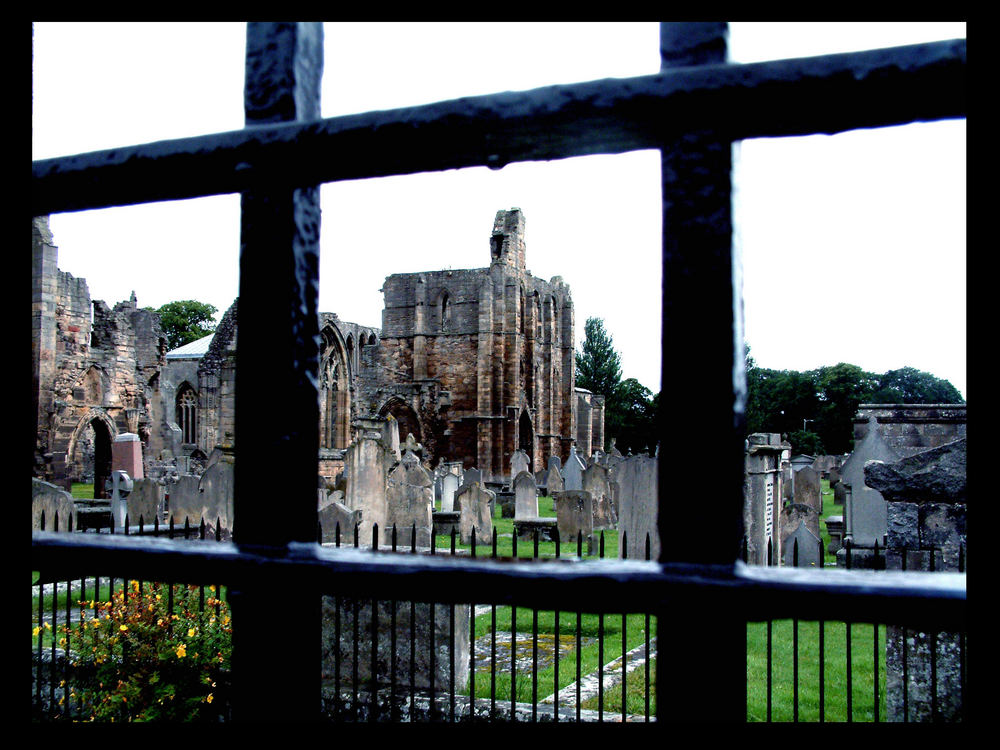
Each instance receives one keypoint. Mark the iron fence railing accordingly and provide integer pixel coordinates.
(691, 111)
(360, 626)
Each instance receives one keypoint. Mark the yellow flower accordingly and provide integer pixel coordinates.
(209, 698)
(181, 651)
(123, 628)
(190, 632)
(36, 631)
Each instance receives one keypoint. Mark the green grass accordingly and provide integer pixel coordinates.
(834, 671)
(589, 656)
(82, 491)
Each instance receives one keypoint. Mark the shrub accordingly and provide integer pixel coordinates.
(151, 653)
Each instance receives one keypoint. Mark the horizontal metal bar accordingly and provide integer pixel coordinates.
(825, 94)
(931, 600)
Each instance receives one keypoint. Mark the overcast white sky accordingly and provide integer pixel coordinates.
(854, 246)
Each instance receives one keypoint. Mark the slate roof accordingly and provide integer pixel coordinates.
(194, 350)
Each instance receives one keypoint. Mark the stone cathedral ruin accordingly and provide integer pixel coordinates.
(476, 364)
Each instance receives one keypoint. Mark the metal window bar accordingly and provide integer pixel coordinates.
(692, 110)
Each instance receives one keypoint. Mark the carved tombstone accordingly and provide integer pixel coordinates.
(474, 504)
(525, 496)
(409, 502)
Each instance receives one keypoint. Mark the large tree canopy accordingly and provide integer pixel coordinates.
(185, 321)
(816, 409)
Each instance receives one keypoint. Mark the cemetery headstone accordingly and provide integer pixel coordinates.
(638, 479)
(572, 472)
(55, 503)
(802, 545)
(525, 496)
(475, 508)
(553, 480)
(865, 514)
(575, 516)
(449, 485)
(596, 482)
(519, 462)
(808, 490)
(409, 501)
(334, 513)
(145, 502)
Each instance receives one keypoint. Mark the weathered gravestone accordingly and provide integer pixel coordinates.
(575, 517)
(366, 463)
(865, 510)
(596, 482)
(553, 478)
(926, 497)
(790, 518)
(572, 471)
(185, 500)
(525, 496)
(469, 476)
(337, 522)
(55, 504)
(802, 548)
(406, 647)
(409, 502)
(449, 486)
(475, 509)
(213, 502)
(145, 502)
(638, 479)
(519, 462)
(808, 490)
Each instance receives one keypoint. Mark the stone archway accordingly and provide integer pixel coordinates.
(405, 416)
(89, 451)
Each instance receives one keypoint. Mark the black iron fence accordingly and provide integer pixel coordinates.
(400, 660)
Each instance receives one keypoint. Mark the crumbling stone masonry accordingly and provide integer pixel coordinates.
(95, 371)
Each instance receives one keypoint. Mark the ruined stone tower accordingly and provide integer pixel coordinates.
(481, 359)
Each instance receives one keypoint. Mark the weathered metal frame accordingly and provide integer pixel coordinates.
(697, 92)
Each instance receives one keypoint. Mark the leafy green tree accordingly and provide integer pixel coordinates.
(807, 442)
(598, 365)
(185, 321)
(842, 388)
(909, 385)
(632, 420)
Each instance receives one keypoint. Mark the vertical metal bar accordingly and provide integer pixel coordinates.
(932, 649)
(847, 627)
(373, 710)
(356, 656)
(702, 281)
(579, 638)
(648, 655)
(534, 647)
(875, 649)
(278, 350)
(493, 644)
(472, 646)
(795, 645)
(770, 628)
